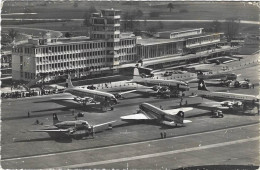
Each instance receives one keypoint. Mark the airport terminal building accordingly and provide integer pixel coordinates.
(107, 50)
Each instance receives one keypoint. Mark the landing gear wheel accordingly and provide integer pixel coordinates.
(112, 108)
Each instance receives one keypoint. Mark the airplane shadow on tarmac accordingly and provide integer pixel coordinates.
(60, 140)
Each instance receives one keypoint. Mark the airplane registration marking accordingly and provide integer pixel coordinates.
(129, 144)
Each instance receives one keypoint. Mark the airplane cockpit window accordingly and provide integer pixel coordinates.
(84, 123)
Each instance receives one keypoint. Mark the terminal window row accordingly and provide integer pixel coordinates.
(90, 61)
(71, 56)
(61, 66)
(63, 48)
(97, 60)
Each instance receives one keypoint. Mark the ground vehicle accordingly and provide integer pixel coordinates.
(245, 84)
(217, 114)
(240, 84)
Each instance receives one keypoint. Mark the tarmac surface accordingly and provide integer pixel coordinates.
(232, 140)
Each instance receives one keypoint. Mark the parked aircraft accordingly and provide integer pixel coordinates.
(149, 112)
(230, 100)
(90, 97)
(218, 76)
(72, 128)
(216, 79)
(157, 84)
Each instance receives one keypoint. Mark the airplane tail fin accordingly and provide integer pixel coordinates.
(202, 85)
(136, 75)
(69, 83)
(180, 114)
(55, 119)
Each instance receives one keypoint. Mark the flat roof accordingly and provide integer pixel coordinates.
(171, 58)
(180, 30)
(201, 35)
(151, 41)
(110, 9)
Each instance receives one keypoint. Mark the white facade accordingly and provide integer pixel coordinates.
(106, 49)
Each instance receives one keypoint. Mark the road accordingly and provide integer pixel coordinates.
(149, 20)
(53, 33)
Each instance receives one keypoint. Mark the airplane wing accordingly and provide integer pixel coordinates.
(64, 98)
(126, 92)
(173, 123)
(88, 100)
(138, 116)
(55, 132)
(187, 121)
(175, 111)
(212, 105)
(120, 95)
(104, 124)
(50, 130)
(193, 80)
(213, 82)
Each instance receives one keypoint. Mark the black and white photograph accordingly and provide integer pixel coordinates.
(113, 84)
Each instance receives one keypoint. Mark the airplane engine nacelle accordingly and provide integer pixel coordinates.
(169, 123)
(227, 103)
(118, 96)
(77, 99)
(238, 103)
(156, 88)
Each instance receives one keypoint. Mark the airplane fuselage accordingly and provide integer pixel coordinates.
(170, 83)
(158, 114)
(222, 76)
(79, 124)
(232, 96)
(96, 95)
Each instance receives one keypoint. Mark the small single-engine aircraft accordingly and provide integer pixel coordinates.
(148, 112)
(74, 128)
(89, 97)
